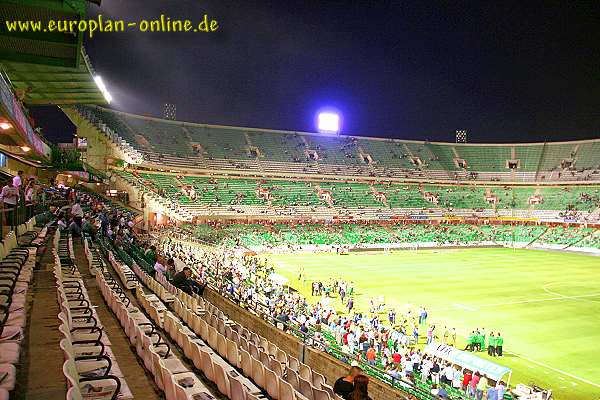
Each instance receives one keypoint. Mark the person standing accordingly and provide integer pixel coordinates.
(446, 335)
(435, 372)
(10, 197)
(77, 212)
(416, 334)
(29, 197)
(492, 345)
(475, 379)
(392, 317)
(430, 333)
(371, 355)
(17, 181)
(499, 344)
(492, 393)
(500, 389)
(470, 341)
(350, 305)
(482, 388)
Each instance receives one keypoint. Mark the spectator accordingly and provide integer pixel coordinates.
(158, 267)
(29, 197)
(435, 372)
(371, 355)
(77, 212)
(361, 388)
(17, 181)
(440, 392)
(466, 380)
(500, 389)
(492, 393)
(475, 379)
(10, 197)
(150, 255)
(88, 228)
(482, 388)
(345, 385)
(181, 280)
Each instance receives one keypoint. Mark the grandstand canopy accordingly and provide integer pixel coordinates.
(47, 67)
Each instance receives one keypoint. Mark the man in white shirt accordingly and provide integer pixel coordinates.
(18, 180)
(10, 197)
(158, 267)
(77, 212)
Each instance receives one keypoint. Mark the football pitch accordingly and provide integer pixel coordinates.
(546, 304)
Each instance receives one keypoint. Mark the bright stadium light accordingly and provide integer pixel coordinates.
(103, 89)
(328, 122)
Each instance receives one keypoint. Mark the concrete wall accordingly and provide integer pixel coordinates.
(319, 361)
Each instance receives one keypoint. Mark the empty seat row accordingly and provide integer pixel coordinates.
(90, 366)
(280, 375)
(16, 272)
(212, 363)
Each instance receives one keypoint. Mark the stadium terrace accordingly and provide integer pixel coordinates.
(159, 259)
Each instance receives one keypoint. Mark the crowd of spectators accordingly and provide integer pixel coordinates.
(389, 346)
(356, 337)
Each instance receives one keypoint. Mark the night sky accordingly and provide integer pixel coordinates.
(522, 71)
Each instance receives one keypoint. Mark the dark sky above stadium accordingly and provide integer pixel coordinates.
(505, 71)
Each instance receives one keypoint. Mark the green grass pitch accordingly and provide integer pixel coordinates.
(546, 304)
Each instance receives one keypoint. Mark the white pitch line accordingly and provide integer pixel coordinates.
(560, 371)
(462, 306)
(564, 296)
(508, 303)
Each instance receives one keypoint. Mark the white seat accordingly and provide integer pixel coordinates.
(271, 383)
(237, 389)
(318, 379)
(286, 391)
(207, 364)
(221, 379)
(306, 388)
(319, 394)
(222, 345)
(76, 391)
(8, 383)
(258, 372)
(246, 362)
(305, 372)
(233, 355)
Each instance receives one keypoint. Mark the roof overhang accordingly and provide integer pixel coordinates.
(16, 132)
(47, 67)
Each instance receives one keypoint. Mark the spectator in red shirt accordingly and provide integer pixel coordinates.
(397, 358)
(466, 380)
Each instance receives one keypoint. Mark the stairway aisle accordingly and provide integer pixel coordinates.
(142, 385)
(40, 376)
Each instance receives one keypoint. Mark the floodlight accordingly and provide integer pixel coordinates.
(328, 122)
(100, 83)
(5, 126)
(25, 148)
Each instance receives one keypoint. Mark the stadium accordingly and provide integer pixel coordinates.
(162, 258)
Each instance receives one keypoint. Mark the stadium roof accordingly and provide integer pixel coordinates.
(47, 67)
